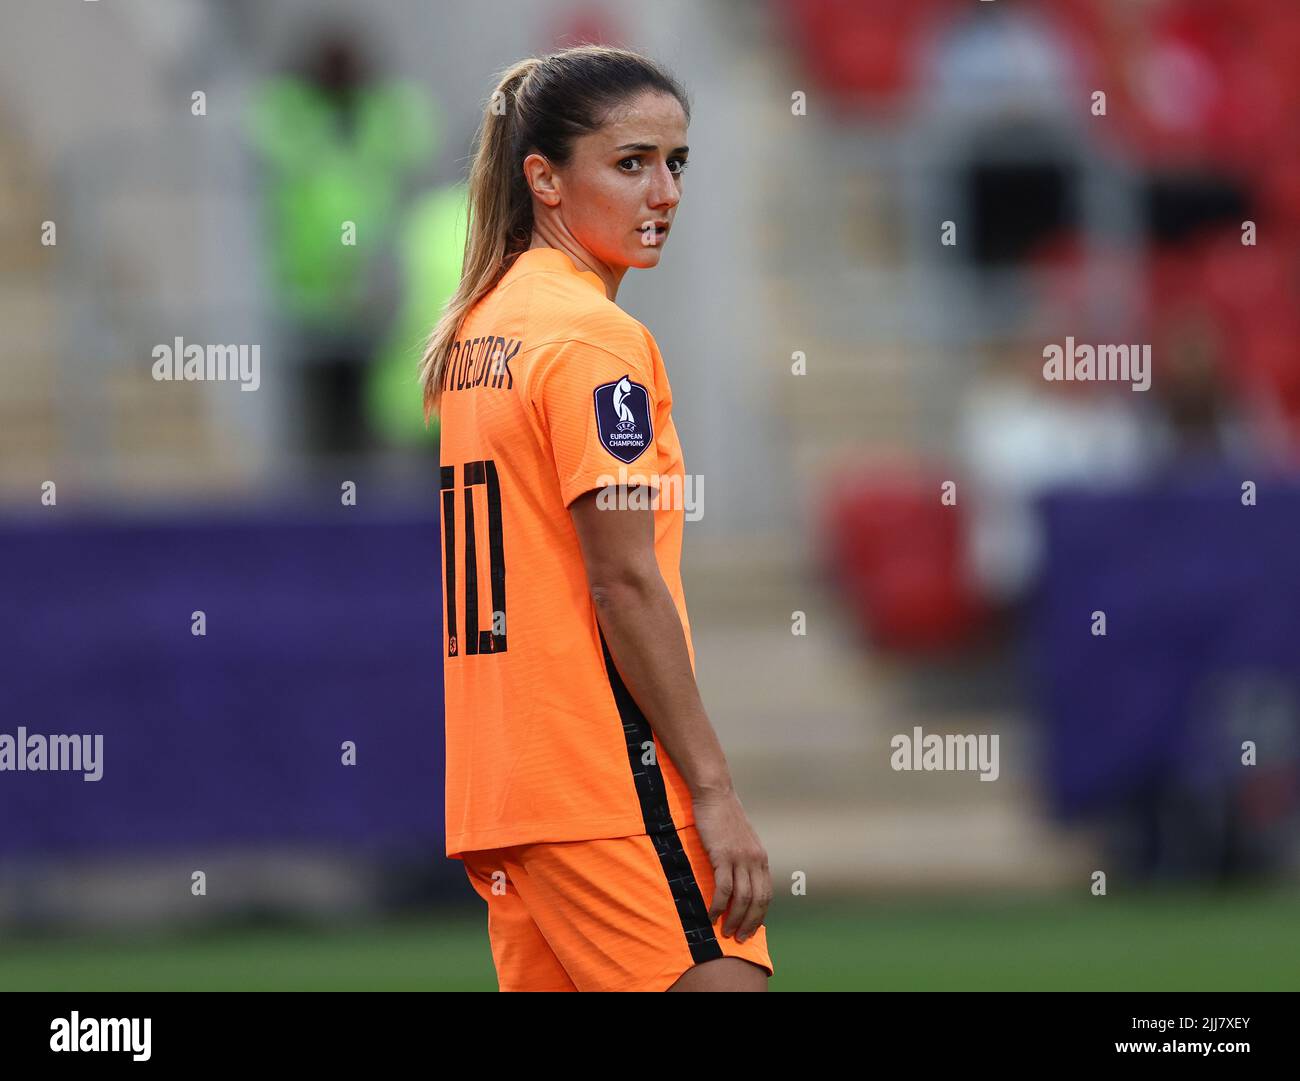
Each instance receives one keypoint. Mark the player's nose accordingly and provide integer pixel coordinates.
(664, 193)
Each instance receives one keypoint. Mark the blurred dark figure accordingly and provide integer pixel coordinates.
(1208, 817)
(1202, 419)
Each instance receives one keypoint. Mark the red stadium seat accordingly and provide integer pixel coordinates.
(859, 50)
(896, 552)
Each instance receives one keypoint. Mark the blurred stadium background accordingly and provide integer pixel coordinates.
(813, 237)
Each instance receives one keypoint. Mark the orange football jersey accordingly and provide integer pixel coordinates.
(550, 391)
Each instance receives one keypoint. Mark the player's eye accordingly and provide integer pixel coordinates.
(681, 165)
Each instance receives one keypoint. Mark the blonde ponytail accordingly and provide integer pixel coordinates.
(495, 229)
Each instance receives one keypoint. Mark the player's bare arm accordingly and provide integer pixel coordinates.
(645, 638)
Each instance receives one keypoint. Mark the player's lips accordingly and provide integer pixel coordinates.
(657, 228)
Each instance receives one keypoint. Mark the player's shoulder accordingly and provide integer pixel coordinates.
(606, 326)
(586, 321)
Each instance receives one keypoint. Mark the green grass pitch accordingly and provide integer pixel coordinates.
(1167, 941)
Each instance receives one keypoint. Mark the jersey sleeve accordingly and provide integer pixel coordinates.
(596, 407)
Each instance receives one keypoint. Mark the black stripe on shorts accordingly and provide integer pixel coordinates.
(652, 794)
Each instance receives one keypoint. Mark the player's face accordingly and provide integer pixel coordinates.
(625, 178)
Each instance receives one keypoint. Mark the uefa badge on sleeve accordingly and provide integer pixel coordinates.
(623, 419)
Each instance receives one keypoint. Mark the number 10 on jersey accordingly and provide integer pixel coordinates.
(480, 476)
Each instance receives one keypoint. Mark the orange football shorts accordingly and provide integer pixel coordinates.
(616, 914)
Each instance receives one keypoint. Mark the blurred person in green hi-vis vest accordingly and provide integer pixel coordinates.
(338, 146)
(432, 254)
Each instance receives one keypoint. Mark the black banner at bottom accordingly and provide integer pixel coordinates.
(336, 1030)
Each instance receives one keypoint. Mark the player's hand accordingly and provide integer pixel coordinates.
(741, 880)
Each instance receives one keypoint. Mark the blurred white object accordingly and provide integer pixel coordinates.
(1017, 442)
(1000, 60)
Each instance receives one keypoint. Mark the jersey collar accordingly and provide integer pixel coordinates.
(555, 261)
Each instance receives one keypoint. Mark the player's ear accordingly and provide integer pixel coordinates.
(541, 179)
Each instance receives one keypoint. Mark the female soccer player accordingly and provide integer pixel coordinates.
(587, 793)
